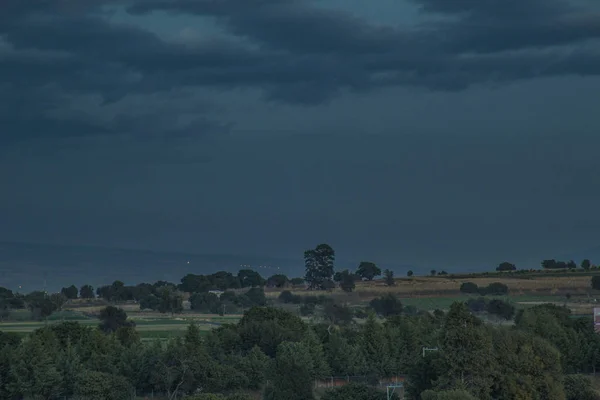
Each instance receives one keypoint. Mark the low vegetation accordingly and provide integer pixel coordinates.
(240, 337)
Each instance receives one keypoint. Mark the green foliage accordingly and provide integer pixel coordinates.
(477, 304)
(469, 287)
(386, 305)
(41, 305)
(368, 270)
(389, 277)
(297, 281)
(267, 328)
(501, 308)
(409, 273)
(553, 264)
(278, 281)
(86, 292)
(466, 348)
(256, 297)
(205, 302)
(544, 356)
(70, 292)
(506, 266)
(113, 318)
(293, 373)
(218, 281)
(206, 396)
(447, 395)
(288, 297)
(579, 387)
(255, 365)
(250, 278)
(494, 289)
(354, 391)
(347, 281)
(586, 264)
(228, 301)
(34, 368)
(102, 386)
(319, 266)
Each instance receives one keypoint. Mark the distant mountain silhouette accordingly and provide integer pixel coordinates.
(35, 266)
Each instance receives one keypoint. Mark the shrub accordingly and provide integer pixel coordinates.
(495, 289)
(469, 287)
(501, 308)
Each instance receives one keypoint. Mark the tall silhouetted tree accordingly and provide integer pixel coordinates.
(86, 292)
(319, 266)
(389, 277)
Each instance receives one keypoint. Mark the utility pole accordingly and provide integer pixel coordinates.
(428, 349)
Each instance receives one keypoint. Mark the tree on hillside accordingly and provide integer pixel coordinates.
(250, 278)
(494, 289)
(389, 277)
(469, 287)
(297, 281)
(113, 318)
(86, 292)
(433, 272)
(368, 270)
(346, 280)
(553, 264)
(410, 273)
(70, 292)
(40, 304)
(506, 266)
(586, 264)
(171, 300)
(319, 266)
(278, 281)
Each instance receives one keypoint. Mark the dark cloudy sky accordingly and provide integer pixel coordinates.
(428, 132)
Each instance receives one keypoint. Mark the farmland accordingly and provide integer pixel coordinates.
(424, 293)
(149, 325)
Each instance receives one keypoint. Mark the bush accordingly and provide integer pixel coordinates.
(355, 391)
(501, 308)
(579, 387)
(386, 305)
(307, 309)
(469, 287)
(506, 266)
(494, 289)
(446, 395)
(476, 305)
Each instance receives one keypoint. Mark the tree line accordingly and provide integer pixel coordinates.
(273, 354)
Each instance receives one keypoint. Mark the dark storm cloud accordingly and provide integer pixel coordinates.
(478, 45)
(51, 52)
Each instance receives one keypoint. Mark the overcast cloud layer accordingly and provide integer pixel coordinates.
(465, 133)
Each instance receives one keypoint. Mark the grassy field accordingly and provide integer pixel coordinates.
(149, 325)
(439, 292)
(424, 293)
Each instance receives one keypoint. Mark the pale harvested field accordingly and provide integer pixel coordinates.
(439, 286)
